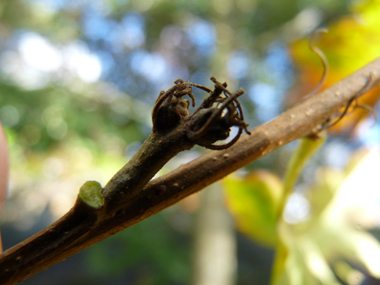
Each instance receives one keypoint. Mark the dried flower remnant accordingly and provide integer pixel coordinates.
(211, 122)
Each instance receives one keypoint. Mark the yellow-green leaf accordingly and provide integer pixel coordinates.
(253, 201)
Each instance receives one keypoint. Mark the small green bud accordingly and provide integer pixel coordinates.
(90, 193)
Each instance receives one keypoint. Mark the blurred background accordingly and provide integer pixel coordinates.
(78, 80)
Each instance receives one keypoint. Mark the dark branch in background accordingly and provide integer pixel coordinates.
(82, 227)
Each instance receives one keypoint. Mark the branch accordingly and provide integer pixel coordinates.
(81, 227)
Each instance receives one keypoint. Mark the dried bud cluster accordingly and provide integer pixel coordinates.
(211, 122)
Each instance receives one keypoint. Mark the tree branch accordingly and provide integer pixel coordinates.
(82, 227)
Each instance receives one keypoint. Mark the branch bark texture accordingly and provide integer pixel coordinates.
(127, 204)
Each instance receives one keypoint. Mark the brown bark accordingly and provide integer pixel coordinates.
(82, 227)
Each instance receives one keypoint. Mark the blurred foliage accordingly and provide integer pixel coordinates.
(163, 259)
(254, 202)
(351, 42)
(78, 80)
(318, 238)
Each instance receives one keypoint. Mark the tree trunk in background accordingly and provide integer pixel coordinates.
(214, 244)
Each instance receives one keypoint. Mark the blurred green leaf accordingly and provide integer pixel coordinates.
(253, 201)
(306, 148)
(321, 248)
